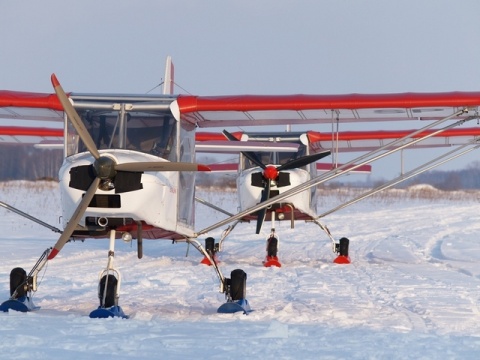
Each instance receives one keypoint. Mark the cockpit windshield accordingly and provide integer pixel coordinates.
(152, 133)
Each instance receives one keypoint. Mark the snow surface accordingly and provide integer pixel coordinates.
(411, 292)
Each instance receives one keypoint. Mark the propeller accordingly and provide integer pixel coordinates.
(262, 212)
(272, 172)
(105, 167)
(248, 154)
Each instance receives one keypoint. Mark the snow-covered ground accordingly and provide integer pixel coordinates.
(411, 292)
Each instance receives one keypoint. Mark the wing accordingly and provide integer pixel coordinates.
(30, 118)
(30, 106)
(371, 140)
(259, 110)
(31, 135)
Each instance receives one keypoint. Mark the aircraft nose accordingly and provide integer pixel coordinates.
(270, 172)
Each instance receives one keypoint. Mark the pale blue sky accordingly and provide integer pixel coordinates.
(236, 47)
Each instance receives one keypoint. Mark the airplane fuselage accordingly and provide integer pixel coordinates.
(249, 195)
(129, 130)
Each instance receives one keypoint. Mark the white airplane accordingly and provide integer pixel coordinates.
(128, 172)
(285, 160)
(129, 158)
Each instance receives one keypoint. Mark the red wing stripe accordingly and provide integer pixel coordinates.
(189, 104)
(382, 135)
(29, 100)
(212, 136)
(25, 131)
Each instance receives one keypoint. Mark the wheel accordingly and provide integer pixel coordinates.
(18, 280)
(272, 246)
(343, 248)
(238, 284)
(210, 245)
(111, 290)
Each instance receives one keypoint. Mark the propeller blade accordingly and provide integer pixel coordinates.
(262, 212)
(75, 219)
(161, 166)
(302, 161)
(75, 118)
(248, 154)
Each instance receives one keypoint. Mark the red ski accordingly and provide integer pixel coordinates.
(271, 261)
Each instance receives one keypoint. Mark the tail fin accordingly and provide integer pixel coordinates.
(168, 83)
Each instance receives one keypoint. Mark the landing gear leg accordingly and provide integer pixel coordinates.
(235, 288)
(22, 286)
(109, 288)
(272, 247)
(18, 283)
(341, 248)
(225, 233)
(236, 292)
(212, 248)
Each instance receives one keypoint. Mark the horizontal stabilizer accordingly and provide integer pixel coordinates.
(218, 146)
(363, 169)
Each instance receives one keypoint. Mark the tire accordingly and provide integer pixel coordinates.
(111, 290)
(18, 277)
(343, 248)
(210, 245)
(272, 246)
(238, 284)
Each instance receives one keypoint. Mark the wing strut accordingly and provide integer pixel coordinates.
(352, 165)
(419, 170)
(29, 217)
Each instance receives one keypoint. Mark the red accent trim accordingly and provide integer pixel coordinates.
(188, 104)
(29, 100)
(134, 227)
(314, 136)
(223, 167)
(24, 131)
(211, 136)
(205, 261)
(271, 261)
(329, 166)
(53, 253)
(201, 167)
(342, 259)
(55, 81)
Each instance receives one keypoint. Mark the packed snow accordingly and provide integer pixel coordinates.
(412, 290)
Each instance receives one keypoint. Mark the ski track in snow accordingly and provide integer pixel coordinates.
(412, 290)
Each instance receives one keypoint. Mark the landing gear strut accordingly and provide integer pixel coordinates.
(109, 288)
(22, 286)
(212, 248)
(236, 292)
(342, 249)
(234, 288)
(272, 247)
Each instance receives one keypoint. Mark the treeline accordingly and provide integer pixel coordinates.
(465, 179)
(22, 162)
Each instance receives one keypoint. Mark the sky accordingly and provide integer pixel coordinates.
(249, 47)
